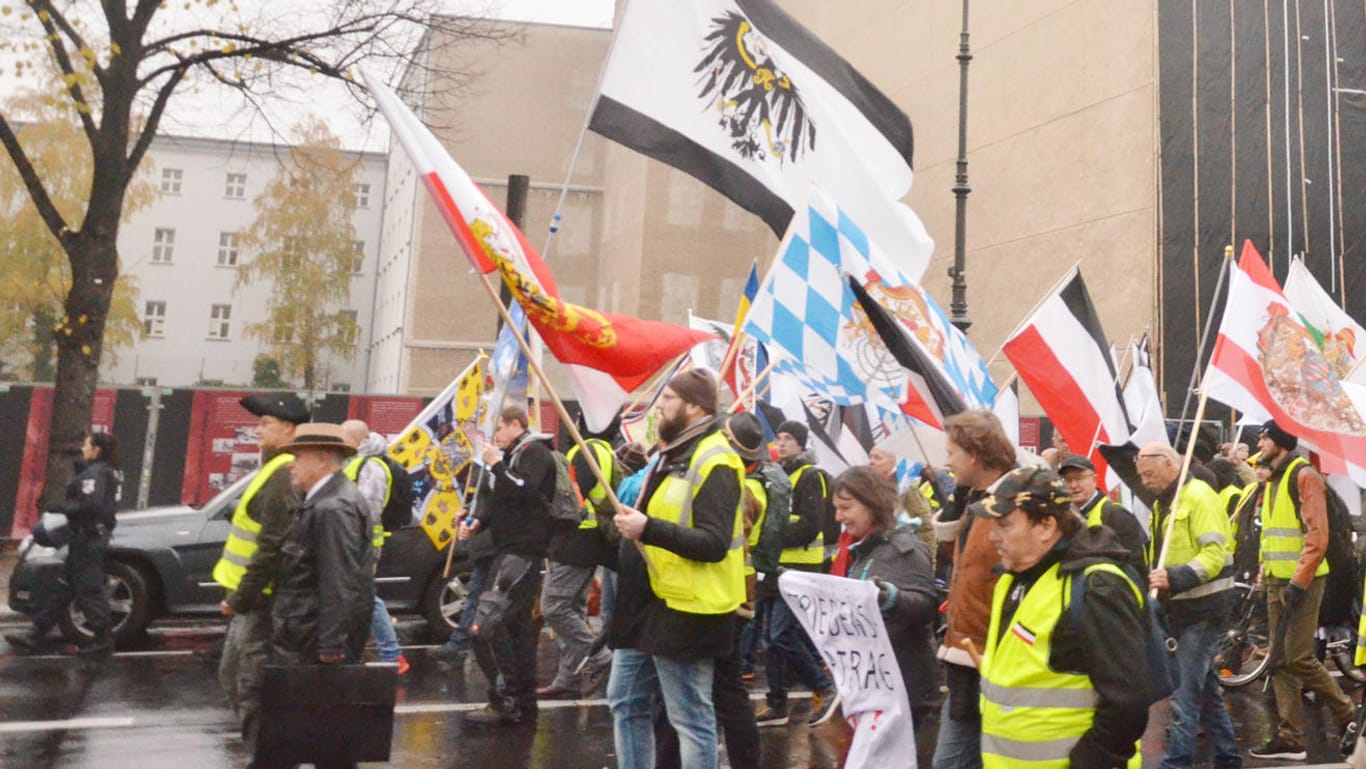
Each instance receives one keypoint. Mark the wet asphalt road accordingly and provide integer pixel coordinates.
(160, 706)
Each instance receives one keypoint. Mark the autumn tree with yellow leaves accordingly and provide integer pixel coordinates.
(121, 65)
(302, 252)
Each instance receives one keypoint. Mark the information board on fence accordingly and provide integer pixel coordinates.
(842, 618)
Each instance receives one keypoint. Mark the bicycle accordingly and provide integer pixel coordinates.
(1243, 654)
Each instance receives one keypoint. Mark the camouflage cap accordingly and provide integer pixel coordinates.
(1036, 490)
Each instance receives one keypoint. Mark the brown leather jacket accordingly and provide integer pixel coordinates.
(973, 580)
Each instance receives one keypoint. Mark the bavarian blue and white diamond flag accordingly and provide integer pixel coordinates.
(806, 312)
(741, 96)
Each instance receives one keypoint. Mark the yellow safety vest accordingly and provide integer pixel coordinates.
(597, 495)
(693, 586)
(1032, 715)
(756, 487)
(1361, 638)
(352, 471)
(241, 543)
(1282, 534)
(812, 552)
(1201, 538)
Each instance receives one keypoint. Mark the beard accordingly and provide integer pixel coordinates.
(670, 426)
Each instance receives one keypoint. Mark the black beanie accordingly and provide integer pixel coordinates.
(1279, 437)
(697, 387)
(796, 429)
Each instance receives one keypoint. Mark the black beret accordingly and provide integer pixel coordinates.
(286, 406)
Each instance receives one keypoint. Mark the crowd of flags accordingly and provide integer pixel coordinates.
(838, 332)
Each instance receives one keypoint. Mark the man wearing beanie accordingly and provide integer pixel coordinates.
(680, 580)
(786, 645)
(1294, 541)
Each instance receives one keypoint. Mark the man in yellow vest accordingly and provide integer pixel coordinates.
(1294, 542)
(1195, 583)
(681, 577)
(1054, 690)
(787, 646)
(1099, 510)
(250, 562)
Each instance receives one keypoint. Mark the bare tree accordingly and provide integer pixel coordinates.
(122, 64)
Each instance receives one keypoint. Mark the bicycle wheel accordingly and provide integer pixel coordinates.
(1242, 655)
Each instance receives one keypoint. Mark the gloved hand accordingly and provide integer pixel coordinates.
(886, 593)
(1293, 597)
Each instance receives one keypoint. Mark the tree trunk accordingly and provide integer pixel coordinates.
(42, 345)
(80, 338)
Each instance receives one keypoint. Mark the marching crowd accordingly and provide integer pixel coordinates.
(1016, 598)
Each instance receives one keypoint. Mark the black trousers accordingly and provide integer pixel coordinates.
(511, 652)
(734, 717)
(85, 585)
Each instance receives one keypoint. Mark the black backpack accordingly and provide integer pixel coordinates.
(1162, 672)
(1341, 594)
(398, 511)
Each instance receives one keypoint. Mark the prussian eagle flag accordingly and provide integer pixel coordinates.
(1267, 364)
(1061, 354)
(605, 355)
(741, 96)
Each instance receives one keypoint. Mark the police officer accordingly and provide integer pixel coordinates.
(92, 499)
(1054, 693)
(249, 565)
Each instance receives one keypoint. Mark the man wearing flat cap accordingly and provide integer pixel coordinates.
(1052, 690)
(251, 555)
(1294, 570)
(1079, 475)
(681, 578)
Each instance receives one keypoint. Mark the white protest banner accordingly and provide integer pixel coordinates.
(842, 617)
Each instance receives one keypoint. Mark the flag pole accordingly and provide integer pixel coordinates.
(1204, 335)
(750, 389)
(1180, 481)
(565, 419)
(1037, 305)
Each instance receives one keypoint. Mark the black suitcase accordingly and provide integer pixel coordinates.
(327, 713)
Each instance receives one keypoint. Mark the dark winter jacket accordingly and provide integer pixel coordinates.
(273, 507)
(517, 506)
(583, 547)
(1106, 644)
(641, 620)
(326, 589)
(901, 559)
(1127, 528)
(765, 554)
(92, 497)
(812, 505)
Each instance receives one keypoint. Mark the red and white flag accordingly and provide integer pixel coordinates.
(1061, 354)
(605, 355)
(1268, 365)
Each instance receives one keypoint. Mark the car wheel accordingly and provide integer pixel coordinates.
(128, 606)
(443, 603)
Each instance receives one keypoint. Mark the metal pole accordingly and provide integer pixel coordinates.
(518, 186)
(959, 305)
(1204, 337)
(149, 447)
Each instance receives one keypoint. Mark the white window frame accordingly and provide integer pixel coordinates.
(362, 190)
(154, 323)
(228, 246)
(220, 321)
(235, 186)
(171, 179)
(163, 245)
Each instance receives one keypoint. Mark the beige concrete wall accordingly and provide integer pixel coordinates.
(1062, 144)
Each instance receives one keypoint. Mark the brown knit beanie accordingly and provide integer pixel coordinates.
(697, 387)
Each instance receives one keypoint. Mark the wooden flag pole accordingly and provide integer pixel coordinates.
(1037, 305)
(750, 389)
(737, 338)
(1181, 481)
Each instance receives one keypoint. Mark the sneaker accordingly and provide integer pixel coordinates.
(1280, 748)
(403, 666)
(823, 705)
(102, 645)
(771, 716)
(448, 658)
(491, 716)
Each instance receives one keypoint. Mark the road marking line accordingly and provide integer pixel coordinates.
(465, 707)
(72, 723)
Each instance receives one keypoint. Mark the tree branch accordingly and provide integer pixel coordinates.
(37, 192)
(46, 15)
(149, 129)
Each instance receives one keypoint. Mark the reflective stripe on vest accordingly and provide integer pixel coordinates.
(756, 487)
(241, 543)
(597, 495)
(1032, 716)
(352, 471)
(1282, 532)
(692, 586)
(1361, 640)
(812, 552)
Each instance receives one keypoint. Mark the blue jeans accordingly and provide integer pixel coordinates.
(639, 682)
(461, 639)
(1198, 702)
(382, 630)
(959, 745)
(787, 645)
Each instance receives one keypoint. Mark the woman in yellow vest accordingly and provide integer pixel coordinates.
(1059, 691)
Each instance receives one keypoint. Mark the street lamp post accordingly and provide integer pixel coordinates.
(959, 305)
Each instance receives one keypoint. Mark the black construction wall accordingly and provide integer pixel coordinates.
(1224, 69)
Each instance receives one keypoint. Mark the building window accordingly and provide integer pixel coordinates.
(358, 258)
(350, 326)
(147, 381)
(236, 186)
(362, 190)
(163, 245)
(154, 319)
(170, 180)
(220, 316)
(227, 249)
